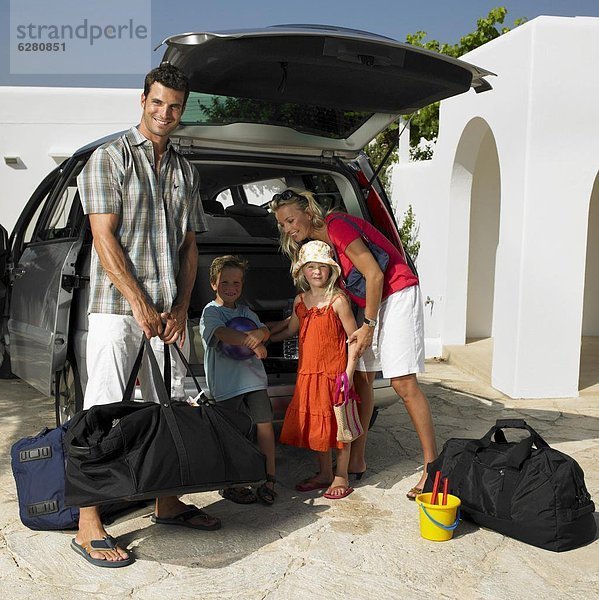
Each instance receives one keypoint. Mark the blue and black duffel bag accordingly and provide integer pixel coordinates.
(38, 465)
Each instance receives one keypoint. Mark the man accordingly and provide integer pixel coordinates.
(142, 198)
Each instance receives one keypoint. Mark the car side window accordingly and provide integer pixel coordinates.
(260, 193)
(63, 220)
(225, 198)
(34, 220)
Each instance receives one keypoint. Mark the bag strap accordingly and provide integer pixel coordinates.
(167, 410)
(350, 222)
(402, 250)
(187, 366)
(162, 384)
(128, 393)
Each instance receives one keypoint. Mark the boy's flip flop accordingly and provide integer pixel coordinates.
(239, 495)
(104, 546)
(183, 519)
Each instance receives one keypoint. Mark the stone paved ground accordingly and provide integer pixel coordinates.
(366, 546)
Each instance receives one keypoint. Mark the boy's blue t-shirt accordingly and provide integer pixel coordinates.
(225, 376)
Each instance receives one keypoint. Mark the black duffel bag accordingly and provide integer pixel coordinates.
(535, 495)
(139, 450)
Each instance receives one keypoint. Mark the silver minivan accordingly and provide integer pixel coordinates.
(284, 106)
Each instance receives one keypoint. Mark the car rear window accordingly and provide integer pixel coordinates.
(209, 109)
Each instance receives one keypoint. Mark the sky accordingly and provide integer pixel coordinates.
(443, 20)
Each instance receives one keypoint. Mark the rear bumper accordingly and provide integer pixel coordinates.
(280, 395)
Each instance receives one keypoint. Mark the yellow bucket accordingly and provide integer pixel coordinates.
(438, 521)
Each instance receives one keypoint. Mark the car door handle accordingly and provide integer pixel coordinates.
(18, 272)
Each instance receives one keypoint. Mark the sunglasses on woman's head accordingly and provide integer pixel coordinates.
(287, 195)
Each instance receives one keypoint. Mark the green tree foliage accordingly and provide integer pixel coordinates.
(425, 122)
(408, 232)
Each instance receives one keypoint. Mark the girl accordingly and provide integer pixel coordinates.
(323, 317)
(391, 312)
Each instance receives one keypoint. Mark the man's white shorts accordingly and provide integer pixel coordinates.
(398, 343)
(112, 345)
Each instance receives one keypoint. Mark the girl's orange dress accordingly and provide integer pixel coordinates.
(310, 420)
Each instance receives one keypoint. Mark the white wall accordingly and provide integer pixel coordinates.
(412, 184)
(543, 114)
(41, 125)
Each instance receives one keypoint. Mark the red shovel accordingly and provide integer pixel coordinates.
(436, 487)
(445, 487)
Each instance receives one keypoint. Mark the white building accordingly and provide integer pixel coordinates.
(509, 209)
(40, 127)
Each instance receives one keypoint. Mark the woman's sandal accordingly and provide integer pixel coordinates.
(239, 495)
(412, 493)
(345, 490)
(267, 494)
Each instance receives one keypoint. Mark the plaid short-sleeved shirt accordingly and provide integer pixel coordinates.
(155, 214)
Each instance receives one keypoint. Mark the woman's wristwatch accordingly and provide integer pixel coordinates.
(370, 322)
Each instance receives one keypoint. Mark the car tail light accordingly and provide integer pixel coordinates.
(380, 215)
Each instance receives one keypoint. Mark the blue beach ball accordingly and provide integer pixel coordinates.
(234, 351)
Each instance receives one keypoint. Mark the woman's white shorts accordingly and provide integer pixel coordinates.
(398, 343)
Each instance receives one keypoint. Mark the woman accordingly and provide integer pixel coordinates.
(390, 338)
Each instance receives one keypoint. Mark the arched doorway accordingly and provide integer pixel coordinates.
(484, 239)
(588, 380)
(473, 240)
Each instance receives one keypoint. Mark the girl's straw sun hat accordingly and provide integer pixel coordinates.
(318, 252)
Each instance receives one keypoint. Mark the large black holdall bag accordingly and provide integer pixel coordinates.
(525, 489)
(141, 450)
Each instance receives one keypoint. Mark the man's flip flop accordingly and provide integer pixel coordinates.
(183, 520)
(347, 492)
(104, 546)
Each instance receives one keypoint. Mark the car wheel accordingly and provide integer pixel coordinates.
(68, 394)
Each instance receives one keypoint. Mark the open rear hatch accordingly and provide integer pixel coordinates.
(307, 87)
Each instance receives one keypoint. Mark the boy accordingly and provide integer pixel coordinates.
(238, 384)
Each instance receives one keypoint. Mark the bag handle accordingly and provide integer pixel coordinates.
(165, 378)
(520, 451)
(515, 456)
(187, 366)
(342, 386)
(165, 405)
(128, 393)
(515, 424)
(162, 384)
(167, 372)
